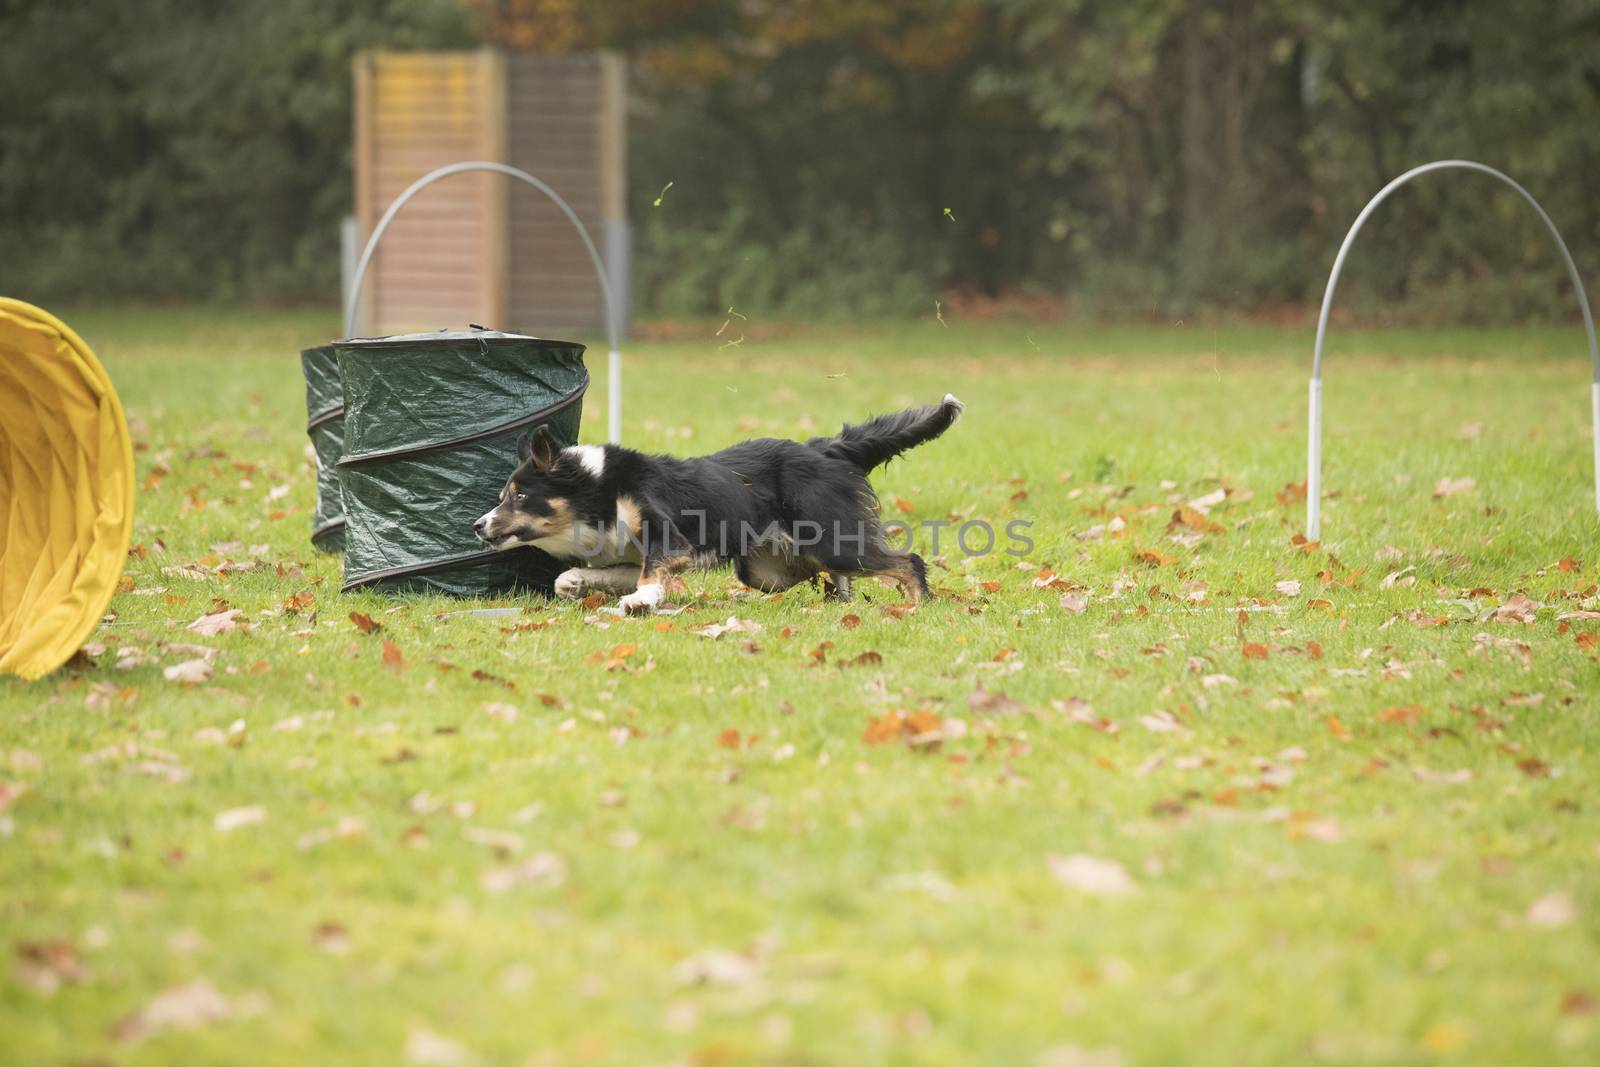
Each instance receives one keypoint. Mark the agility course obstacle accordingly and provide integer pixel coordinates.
(66, 490)
(1314, 434)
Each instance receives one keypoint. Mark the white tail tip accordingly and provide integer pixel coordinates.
(950, 401)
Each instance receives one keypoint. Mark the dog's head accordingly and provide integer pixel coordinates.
(549, 498)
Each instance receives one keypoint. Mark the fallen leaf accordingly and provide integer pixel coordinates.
(365, 623)
(717, 967)
(1075, 603)
(184, 1007)
(850, 622)
(1451, 486)
(428, 1049)
(236, 818)
(1423, 774)
(189, 672)
(1552, 911)
(1090, 874)
(1253, 650)
(1288, 588)
(733, 625)
(217, 622)
(542, 870)
(981, 699)
(393, 658)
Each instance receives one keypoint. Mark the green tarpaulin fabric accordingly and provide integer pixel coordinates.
(430, 433)
(325, 426)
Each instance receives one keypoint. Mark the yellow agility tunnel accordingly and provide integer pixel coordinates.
(66, 490)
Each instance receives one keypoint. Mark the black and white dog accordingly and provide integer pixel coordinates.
(780, 511)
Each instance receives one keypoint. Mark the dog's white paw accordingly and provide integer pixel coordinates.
(645, 598)
(570, 583)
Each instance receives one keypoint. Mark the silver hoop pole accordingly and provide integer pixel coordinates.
(1314, 446)
(613, 363)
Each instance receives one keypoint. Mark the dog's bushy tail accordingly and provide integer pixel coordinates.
(875, 442)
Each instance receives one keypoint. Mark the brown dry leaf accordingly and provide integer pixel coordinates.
(217, 622)
(729, 738)
(1405, 714)
(1252, 650)
(45, 966)
(1153, 557)
(980, 699)
(919, 729)
(1092, 875)
(1516, 608)
(365, 623)
(493, 679)
(1074, 603)
(1194, 519)
(989, 587)
(897, 611)
(393, 658)
(1288, 588)
(903, 505)
(850, 622)
(1587, 639)
(1451, 486)
(866, 659)
(331, 938)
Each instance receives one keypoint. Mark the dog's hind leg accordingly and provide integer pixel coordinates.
(905, 572)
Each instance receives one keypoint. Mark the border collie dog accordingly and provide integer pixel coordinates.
(779, 511)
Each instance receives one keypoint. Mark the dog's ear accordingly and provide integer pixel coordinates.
(539, 447)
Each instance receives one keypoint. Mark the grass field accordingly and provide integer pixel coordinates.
(1166, 792)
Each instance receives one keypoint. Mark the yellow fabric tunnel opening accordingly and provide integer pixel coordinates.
(66, 490)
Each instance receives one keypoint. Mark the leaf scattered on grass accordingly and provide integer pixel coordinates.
(365, 623)
(1092, 875)
(1552, 911)
(1451, 486)
(733, 625)
(189, 672)
(717, 967)
(428, 1049)
(238, 818)
(184, 1007)
(542, 870)
(217, 622)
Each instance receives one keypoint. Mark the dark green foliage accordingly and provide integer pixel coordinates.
(1147, 158)
(170, 148)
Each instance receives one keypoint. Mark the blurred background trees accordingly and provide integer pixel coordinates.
(1145, 158)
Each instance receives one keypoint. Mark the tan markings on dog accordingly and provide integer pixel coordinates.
(628, 515)
(663, 571)
(900, 573)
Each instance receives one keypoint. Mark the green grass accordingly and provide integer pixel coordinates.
(881, 903)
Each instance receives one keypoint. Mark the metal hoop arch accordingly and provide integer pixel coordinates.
(614, 360)
(1314, 446)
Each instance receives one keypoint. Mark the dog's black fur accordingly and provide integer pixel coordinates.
(780, 511)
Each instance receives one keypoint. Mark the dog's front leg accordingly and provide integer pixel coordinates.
(577, 581)
(654, 578)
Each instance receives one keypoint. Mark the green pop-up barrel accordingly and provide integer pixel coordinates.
(431, 423)
(325, 427)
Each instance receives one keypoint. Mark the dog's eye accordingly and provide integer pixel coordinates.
(521, 497)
